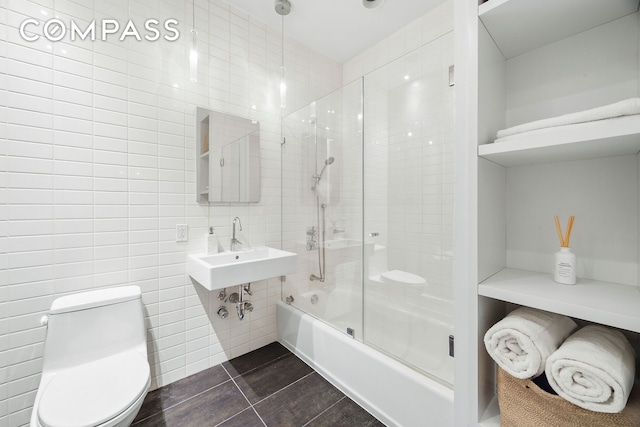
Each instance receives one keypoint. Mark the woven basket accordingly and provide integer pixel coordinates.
(524, 404)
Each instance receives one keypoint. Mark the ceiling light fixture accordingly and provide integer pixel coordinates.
(193, 51)
(283, 7)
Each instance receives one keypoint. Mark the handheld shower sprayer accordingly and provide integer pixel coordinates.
(321, 254)
(327, 162)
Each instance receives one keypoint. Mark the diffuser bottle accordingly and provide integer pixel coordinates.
(565, 267)
(565, 260)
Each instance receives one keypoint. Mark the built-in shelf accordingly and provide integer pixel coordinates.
(548, 67)
(202, 151)
(518, 26)
(603, 138)
(491, 415)
(606, 303)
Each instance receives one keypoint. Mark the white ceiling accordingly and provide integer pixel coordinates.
(339, 29)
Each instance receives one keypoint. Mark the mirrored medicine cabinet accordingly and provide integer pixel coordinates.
(227, 158)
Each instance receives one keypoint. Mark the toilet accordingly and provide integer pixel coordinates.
(392, 283)
(95, 370)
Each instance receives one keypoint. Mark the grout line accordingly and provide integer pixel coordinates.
(321, 413)
(232, 379)
(259, 366)
(185, 400)
(235, 415)
(286, 387)
(246, 398)
(258, 415)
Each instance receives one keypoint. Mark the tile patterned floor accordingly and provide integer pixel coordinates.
(267, 387)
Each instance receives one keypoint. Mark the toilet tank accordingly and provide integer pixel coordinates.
(92, 325)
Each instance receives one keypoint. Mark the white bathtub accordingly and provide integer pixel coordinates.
(394, 393)
(415, 331)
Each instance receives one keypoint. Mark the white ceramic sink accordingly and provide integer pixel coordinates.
(217, 271)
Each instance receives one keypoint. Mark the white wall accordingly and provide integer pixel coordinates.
(417, 33)
(97, 168)
(601, 193)
(536, 90)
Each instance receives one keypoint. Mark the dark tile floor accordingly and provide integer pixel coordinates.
(267, 387)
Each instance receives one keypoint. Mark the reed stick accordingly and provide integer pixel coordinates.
(566, 239)
(559, 230)
(569, 228)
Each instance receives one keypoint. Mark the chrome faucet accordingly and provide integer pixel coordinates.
(235, 243)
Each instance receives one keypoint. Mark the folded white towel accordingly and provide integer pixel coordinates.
(521, 342)
(627, 107)
(594, 369)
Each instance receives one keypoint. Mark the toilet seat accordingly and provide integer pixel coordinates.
(94, 393)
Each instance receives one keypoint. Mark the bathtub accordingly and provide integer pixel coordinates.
(423, 321)
(394, 393)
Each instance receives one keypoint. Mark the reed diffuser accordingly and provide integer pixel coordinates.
(565, 260)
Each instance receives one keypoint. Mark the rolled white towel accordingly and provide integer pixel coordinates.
(594, 369)
(627, 107)
(521, 342)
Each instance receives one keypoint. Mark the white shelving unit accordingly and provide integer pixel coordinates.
(605, 138)
(518, 26)
(523, 61)
(610, 304)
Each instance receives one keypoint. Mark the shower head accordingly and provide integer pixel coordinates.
(318, 177)
(326, 163)
(283, 7)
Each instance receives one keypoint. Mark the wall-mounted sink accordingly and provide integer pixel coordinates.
(218, 271)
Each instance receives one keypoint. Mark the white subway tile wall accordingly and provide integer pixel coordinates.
(97, 166)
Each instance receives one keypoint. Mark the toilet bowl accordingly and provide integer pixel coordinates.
(95, 371)
(392, 283)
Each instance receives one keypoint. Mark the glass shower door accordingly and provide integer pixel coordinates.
(408, 209)
(367, 204)
(322, 208)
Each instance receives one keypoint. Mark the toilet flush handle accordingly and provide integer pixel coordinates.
(44, 320)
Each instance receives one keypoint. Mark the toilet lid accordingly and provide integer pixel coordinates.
(397, 276)
(91, 394)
